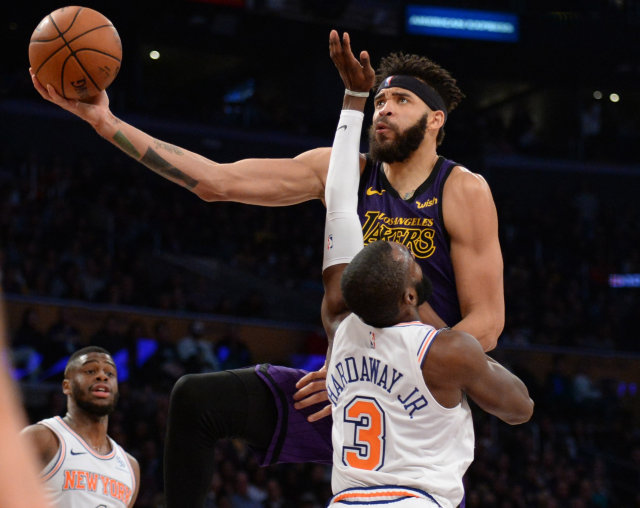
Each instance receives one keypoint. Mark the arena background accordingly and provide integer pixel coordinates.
(97, 249)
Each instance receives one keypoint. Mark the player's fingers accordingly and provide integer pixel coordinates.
(334, 41)
(312, 387)
(334, 38)
(323, 413)
(38, 86)
(346, 42)
(53, 94)
(307, 378)
(312, 400)
(365, 61)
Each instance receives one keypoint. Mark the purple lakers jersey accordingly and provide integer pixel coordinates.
(416, 223)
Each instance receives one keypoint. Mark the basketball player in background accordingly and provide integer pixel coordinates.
(444, 214)
(20, 486)
(402, 428)
(82, 465)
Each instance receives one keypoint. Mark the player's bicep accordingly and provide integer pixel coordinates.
(490, 385)
(268, 182)
(468, 368)
(472, 223)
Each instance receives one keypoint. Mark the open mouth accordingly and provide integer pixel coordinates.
(101, 392)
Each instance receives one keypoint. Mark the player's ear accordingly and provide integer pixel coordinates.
(410, 297)
(435, 120)
(66, 386)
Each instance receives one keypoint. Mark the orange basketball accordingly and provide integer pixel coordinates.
(76, 50)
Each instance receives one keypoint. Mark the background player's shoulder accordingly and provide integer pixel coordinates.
(43, 438)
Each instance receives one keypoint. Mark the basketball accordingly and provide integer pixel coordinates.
(76, 50)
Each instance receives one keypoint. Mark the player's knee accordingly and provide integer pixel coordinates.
(186, 394)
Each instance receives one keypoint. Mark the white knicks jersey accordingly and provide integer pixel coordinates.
(78, 477)
(388, 430)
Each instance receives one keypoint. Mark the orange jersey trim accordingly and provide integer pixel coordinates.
(380, 493)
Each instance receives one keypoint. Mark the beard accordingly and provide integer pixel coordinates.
(402, 147)
(423, 289)
(91, 407)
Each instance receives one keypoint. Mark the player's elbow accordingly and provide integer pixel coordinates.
(520, 414)
(210, 193)
(493, 328)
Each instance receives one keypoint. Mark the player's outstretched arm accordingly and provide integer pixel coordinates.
(456, 362)
(268, 182)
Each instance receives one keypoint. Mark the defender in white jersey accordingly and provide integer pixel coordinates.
(402, 428)
(402, 431)
(82, 466)
(388, 428)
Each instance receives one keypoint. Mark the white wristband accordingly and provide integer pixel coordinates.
(355, 94)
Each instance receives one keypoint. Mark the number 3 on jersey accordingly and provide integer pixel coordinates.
(368, 419)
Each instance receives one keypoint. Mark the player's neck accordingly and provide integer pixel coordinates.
(408, 314)
(93, 429)
(406, 176)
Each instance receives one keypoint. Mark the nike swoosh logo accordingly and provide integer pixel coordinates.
(371, 192)
(342, 127)
(77, 453)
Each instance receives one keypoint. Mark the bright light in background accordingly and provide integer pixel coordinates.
(597, 95)
(614, 97)
(154, 55)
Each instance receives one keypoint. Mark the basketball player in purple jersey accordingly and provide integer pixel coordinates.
(451, 212)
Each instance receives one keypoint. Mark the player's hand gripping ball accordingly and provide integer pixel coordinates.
(76, 50)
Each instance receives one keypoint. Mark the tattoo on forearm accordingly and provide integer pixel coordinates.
(126, 145)
(156, 163)
(168, 147)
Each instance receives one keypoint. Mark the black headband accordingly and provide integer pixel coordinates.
(428, 95)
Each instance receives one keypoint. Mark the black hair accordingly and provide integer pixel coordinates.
(373, 284)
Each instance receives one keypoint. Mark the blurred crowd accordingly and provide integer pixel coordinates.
(84, 230)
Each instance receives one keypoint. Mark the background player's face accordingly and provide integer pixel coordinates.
(399, 125)
(93, 383)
